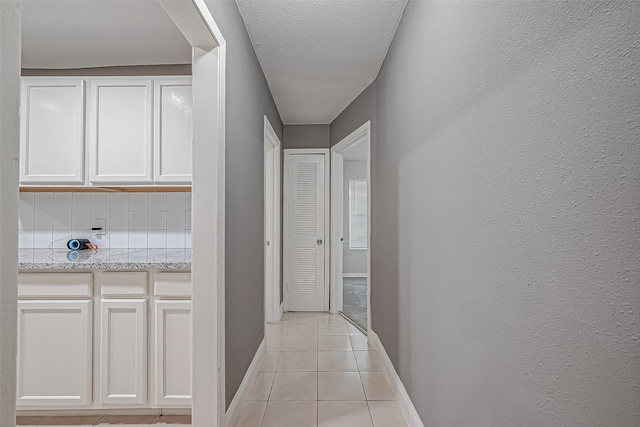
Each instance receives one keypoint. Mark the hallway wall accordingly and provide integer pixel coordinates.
(248, 100)
(306, 136)
(505, 232)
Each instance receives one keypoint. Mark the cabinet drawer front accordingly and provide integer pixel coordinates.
(55, 285)
(124, 284)
(173, 285)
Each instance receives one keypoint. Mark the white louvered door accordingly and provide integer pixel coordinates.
(306, 222)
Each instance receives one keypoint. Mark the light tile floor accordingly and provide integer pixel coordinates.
(319, 371)
(111, 420)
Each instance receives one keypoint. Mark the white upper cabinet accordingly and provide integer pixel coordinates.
(52, 131)
(119, 120)
(173, 136)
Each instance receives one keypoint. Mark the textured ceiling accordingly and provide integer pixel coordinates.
(96, 33)
(318, 55)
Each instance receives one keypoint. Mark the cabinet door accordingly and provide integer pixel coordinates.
(123, 351)
(120, 129)
(54, 353)
(173, 136)
(173, 353)
(52, 131)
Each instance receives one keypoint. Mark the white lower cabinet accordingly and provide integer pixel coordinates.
(136, 342)
(54, 353)
(123, 351)
(173, 352)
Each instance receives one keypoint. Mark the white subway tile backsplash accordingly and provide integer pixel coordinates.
(62, 201)
(157, 239)
(42, 239)
(26, 220)
(120, 202)
(80, 220)
(157, 220)
(44, 201)
(100, 201)
(138, 201)
(43, 220)
(81, 201)
(137, 220)
(62, 220)
(157, 201)
(118, 220)
(134, 220)
(176, 220)
(119, 238)
(176, 238)
(26, 201)
(138, 239)
(176, 202)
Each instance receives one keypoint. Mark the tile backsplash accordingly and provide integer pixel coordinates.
(134, 220)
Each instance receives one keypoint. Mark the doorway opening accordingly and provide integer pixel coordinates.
(351, 228)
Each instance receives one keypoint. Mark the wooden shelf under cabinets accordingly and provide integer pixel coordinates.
(67, 189)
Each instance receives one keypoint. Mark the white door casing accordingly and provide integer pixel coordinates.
(54, 353)
(306, 225)
(52, 131)
(119, 129)
(173, 130)
(272, 227)
(173, 353)
(123, 351)
(362, 135)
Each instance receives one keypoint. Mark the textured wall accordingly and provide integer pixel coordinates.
(306, 136)
(9, 137)
(506, 268)
(248, 100)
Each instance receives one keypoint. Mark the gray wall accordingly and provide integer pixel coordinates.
(505, 211)
(354, 260)
(9, 137)
(248, 100)
(306, 136)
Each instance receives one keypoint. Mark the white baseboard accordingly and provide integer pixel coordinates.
(406, 405)
(354, 275)
(247, 382)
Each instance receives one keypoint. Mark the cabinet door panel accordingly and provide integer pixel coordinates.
(173, 134)
(52, 131)
(123, 356)
(54, 353)
(173, 353)
(120, 128)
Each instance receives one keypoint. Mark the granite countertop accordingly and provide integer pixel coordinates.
(104, 259)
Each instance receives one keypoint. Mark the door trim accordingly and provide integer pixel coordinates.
(273, 270)
(194, 20)
(360, 135)
(288, 152)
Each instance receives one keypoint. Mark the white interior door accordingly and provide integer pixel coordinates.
(307, 222)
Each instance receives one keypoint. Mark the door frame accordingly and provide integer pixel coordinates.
(288, 152)
(272, 218)
(362, 135)
(193, 18)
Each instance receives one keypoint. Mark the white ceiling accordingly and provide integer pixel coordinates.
(319, 55)
(98, 33)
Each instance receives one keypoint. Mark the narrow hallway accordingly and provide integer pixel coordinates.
(319, 371)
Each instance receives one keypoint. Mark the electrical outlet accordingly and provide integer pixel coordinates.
(100, 223)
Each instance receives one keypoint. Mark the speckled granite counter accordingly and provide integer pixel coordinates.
(105, 259)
